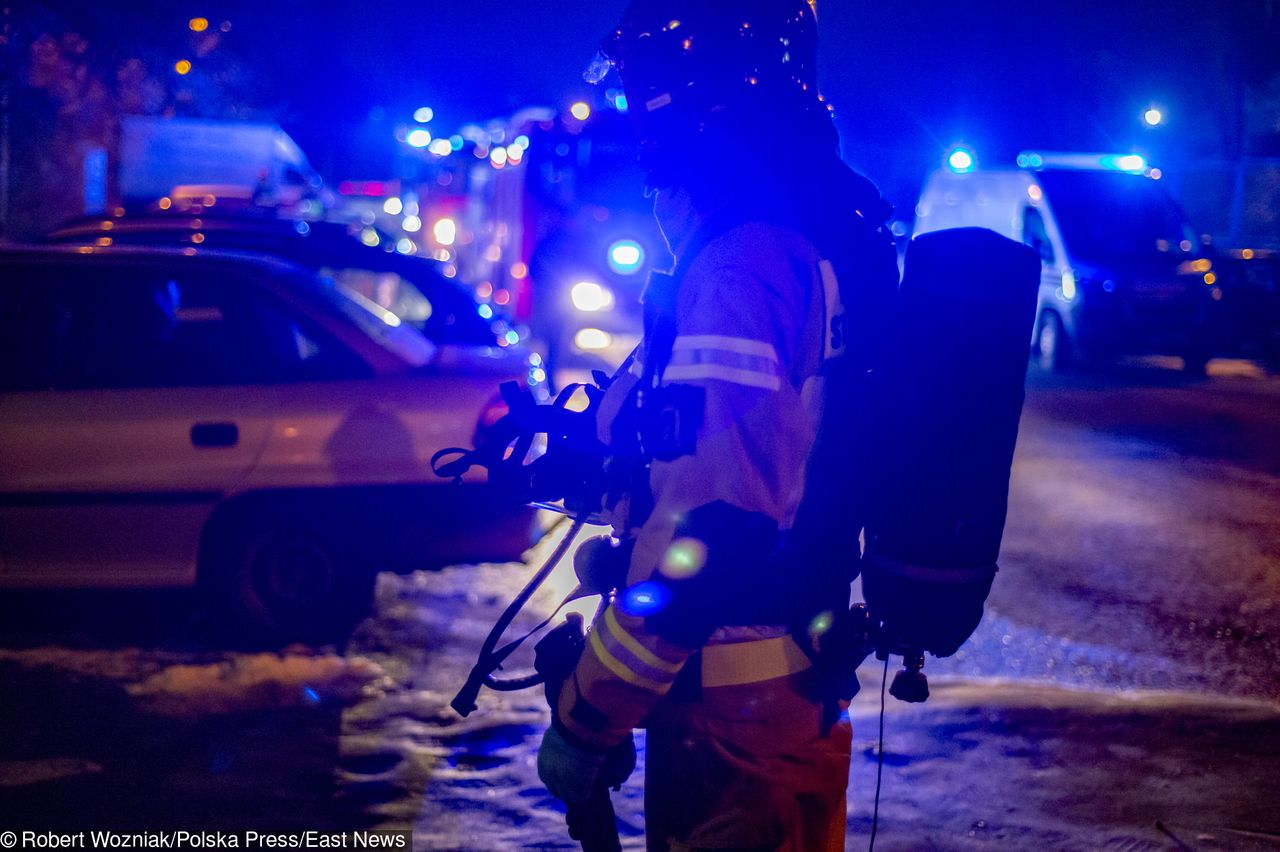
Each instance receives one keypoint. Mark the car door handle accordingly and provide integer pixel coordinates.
(215, 435)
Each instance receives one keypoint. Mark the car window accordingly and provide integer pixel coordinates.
(385, 289)
(380, 325)
(412, 290)
(117, 327)
(1109, 217)
(29, 330)
(409, 287)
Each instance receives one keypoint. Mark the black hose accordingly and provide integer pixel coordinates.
(489, 661)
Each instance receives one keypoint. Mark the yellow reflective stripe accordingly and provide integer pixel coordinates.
(751, 662)
(629, 642)
(610, 662)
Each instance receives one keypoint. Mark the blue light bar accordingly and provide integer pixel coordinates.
(1135, 164)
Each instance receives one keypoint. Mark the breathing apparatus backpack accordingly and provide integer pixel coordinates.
(938, 411)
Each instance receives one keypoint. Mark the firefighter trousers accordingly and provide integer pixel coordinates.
(746, 766)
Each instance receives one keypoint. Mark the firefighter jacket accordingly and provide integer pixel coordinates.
(753, 314)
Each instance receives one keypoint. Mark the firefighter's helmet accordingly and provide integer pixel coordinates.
(688, 65)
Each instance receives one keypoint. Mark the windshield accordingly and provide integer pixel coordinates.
(1110, 217)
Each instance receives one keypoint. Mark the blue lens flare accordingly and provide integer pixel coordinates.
(644, 599)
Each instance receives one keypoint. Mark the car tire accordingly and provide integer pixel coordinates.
(278, 577)
(1053, 349)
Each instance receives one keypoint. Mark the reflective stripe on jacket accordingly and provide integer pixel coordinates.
(753, 317)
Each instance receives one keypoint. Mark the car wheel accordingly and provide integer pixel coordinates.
(285, 579)
(1053, 350)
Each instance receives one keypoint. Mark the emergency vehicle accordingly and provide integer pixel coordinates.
(545, 215)
(1122, 270)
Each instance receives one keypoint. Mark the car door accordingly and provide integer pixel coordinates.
(137, 394)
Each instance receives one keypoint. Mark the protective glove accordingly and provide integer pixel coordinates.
(571, 773)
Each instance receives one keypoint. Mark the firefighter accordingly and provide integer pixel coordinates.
(741, 545)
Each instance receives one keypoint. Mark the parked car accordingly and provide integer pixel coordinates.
(1122, 270)
(180, 417)
(358, 257)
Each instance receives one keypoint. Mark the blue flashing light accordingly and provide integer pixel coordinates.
(620, 103)
(1132, 163)
(513, 337)
(423, 114)
(418, 138)
(485, 312)
(456, 142)
(311, 695)
(645, 599)
(626, 257)
(961, 161)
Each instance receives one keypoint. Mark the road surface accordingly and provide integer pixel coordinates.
(1127, 673)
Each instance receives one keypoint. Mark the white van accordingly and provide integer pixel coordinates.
(1122, 270)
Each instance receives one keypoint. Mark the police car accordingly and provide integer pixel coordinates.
(1122, 270)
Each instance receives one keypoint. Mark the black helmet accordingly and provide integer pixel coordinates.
(732, 68)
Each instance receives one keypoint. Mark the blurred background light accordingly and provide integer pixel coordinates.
(592, 339)
(445, 231)
(588, 296)
(626, 257)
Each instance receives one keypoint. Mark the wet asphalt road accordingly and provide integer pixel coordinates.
(1143, 541)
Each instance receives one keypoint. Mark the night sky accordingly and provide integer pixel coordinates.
(908, 79)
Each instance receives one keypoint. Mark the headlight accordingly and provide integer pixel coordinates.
(592, 339)
(590, 297)
(1068, 285)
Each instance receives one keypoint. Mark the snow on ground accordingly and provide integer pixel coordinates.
(1031, 740)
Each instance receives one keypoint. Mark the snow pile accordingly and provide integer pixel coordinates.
(110, 664)
(16, 773)
(246, 682)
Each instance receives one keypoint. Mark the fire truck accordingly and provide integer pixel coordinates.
(545, 215)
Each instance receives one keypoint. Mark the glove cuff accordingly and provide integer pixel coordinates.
(576, 741)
